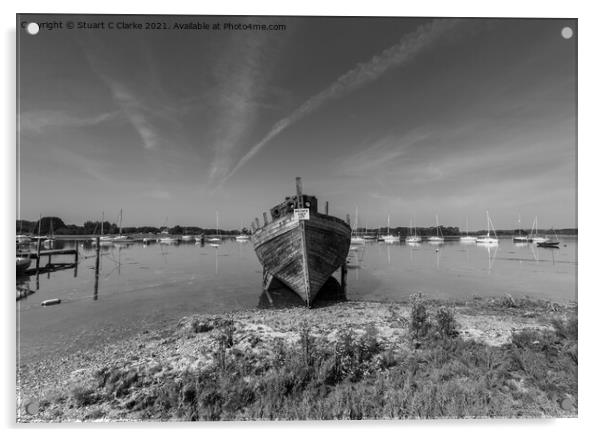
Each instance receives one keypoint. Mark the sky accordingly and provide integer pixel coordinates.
(410, 118)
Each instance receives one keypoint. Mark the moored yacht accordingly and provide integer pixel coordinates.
(488, 239)
(438, 238)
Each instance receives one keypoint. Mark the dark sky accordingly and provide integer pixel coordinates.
(407, 117)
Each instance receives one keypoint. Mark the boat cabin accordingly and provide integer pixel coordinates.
(288, 206)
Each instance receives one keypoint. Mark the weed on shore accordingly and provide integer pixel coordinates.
(429, 373)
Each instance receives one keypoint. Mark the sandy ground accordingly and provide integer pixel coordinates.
(190, 343)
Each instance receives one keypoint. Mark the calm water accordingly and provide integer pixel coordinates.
(144, 286)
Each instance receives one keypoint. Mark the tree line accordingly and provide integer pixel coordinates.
(56, 226)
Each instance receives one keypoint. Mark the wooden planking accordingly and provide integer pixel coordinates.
(303, 255)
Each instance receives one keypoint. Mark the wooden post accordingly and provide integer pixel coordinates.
(299, 193)
(76, 259)
(326, 208)
(39, 248)
(344, 277)
(265, 218)
(97, 266)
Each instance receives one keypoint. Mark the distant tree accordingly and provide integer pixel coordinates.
(46, 224)
(177, 230)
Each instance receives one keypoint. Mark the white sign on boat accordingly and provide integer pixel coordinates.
(301, 214)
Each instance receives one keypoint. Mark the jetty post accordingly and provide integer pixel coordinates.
(97, 266)
(76, 258)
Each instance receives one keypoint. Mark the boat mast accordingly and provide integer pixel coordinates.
(487, 223)
(102, 222)
(120, 219)
(217, 221)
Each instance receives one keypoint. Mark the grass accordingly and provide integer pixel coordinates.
(429, 373)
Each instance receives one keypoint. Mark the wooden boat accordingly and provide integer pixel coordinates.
(300, 246)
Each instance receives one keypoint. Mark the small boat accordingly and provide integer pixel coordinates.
(23, 239)
(23, 263)
(215, 240)
(187, 237)
(355, 237)
(49, 242)
(436, 239)
(488, 239)
(169, 240)
(199, 238)
(550, 244)
(534, 236)
(120, 238)
(389, 238)
(413, 239)
(520, 237)
(467, 238)
(104, 240)
(242, 238)
(300, 246)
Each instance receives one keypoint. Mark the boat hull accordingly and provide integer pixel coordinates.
(303, 254)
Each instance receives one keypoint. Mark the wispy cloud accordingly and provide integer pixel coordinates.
(136, 99)
(364, 73)
(39, 121)
(383, 156)
(237, 92)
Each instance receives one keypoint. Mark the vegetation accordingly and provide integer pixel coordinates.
(431, 372)
(58, 227)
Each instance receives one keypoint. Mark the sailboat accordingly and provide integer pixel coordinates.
(105, 240)
(165, 238)
(413, 238)
(436, 239)
(120, 238)
(388, 238)
(49, 242)
(242, 237)
(550, 244)
(355, 237)
(534, 237)
(488, 239)
(216, 240)
(520, 237)
(467, 238)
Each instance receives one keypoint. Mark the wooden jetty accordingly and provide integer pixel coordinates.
(49, 266)
(301, 247)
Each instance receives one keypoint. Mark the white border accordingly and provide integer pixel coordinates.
(589, 212)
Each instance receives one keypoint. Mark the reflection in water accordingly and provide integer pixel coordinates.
(23, 287)
(280, 296)
(491, 253)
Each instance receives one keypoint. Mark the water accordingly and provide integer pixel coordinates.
(146, 286)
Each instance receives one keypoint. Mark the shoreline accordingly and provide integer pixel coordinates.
(120, 380)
